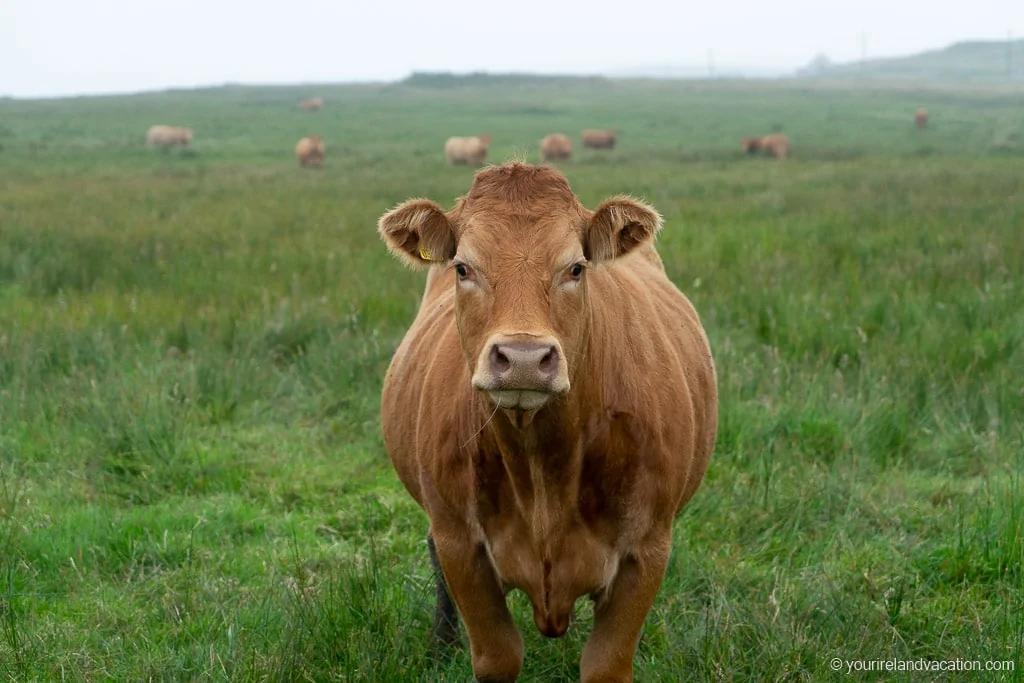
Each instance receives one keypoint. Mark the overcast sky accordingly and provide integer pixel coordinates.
(59, 47)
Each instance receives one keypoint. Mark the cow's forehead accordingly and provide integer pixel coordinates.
(525, 212)
(494, 236)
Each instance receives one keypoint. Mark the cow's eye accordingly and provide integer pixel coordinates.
(462, 270)
(576, 271)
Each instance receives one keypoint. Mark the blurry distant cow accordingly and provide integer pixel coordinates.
(168, 136)
(467, 150)
(921, 118)
(599, 139)
(776, 145)
(751, 145)
(310, 152)
(555, 146)
(312, 104)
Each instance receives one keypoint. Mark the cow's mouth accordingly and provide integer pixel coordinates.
(519, 399)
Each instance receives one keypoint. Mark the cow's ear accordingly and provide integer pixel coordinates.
(418, 232)
(618, 226)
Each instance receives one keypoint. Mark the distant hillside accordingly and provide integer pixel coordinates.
(445, 79)
(682, 72)
(976, 61)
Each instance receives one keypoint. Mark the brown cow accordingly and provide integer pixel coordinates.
(312, 104)
(776, 145)
(555, 146)
(310, 152)
(921, 118)
(472, 150)
(751, 145)
(552, 409)
(599, 139)
(168, 136)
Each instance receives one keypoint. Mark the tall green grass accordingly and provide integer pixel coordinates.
(192, 480)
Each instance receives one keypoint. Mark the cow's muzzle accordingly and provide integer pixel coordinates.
(521, 372)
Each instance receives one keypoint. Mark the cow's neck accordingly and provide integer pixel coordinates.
(542, 457)
(542, 453)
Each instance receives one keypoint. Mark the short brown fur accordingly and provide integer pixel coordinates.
(576, 497)
(312, 104)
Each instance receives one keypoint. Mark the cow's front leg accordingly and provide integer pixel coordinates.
(619, 616)
(494, 641)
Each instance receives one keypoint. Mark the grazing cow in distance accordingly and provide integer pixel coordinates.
(599, 139)
(168, 136)
(310, 152)
(776, 145)
(921, 118)
(552, 408)
(555, 146)
(472, 150)
(312, 104)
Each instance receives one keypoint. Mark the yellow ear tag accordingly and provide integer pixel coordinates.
(424, 254)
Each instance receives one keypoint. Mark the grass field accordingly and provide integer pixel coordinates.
(192, 480)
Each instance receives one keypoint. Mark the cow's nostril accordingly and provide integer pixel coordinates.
(549, 363)
(499, 361)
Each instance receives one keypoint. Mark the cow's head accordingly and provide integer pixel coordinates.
(518, 248)
(751, 145)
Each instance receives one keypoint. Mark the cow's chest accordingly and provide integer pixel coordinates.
(551, 552)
